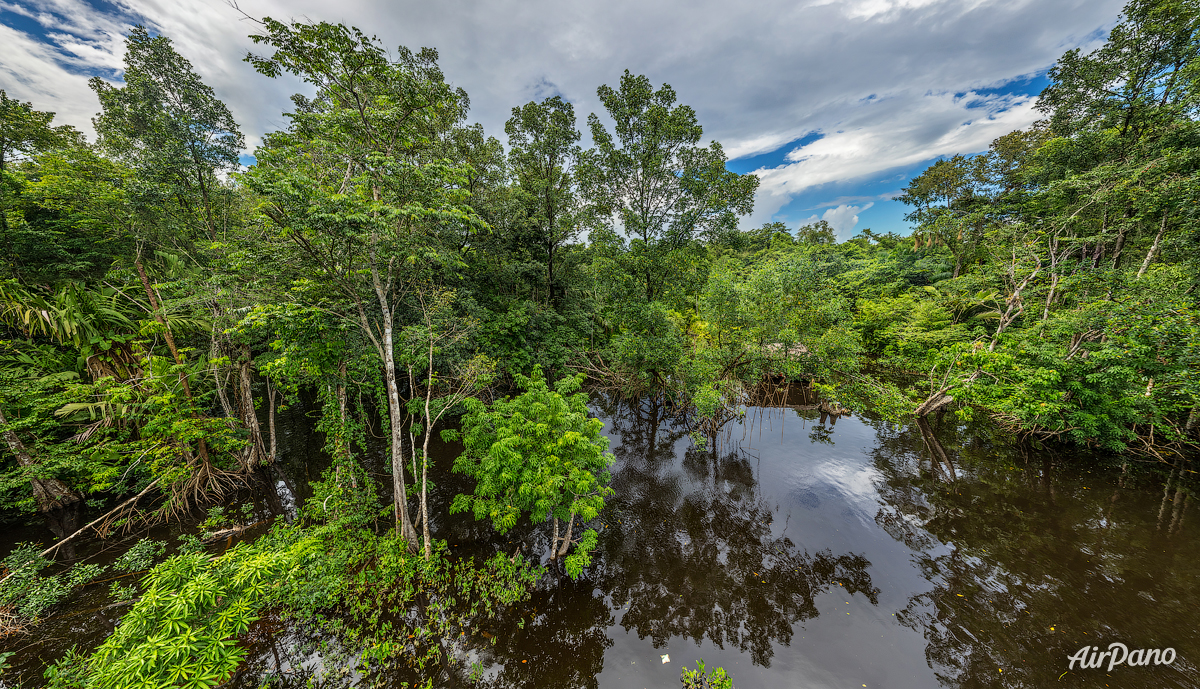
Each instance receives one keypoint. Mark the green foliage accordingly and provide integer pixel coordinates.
(181, 632)
(140, 556)
(184, 630)
(383, 253)
(537, 453)
(29, 594)
(701, 679)
(169, 124)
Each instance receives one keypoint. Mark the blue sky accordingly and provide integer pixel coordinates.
(835, 104)
(868, 199)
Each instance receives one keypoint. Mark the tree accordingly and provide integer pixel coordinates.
(439, 330)
(168, 124)
(537, 453)
(654, 184)
(23, 132)
(543, 137)
(949, 206)
(1139, 81)
(816, 233)
(356, 189)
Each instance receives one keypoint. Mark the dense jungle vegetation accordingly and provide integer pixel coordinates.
(160, 303)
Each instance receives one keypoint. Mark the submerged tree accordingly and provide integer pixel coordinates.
(537, 453)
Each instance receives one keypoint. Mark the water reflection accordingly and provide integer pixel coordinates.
(692, 552)
(1027, 562)
(797, 548)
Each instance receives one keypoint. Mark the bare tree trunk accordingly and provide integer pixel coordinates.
(94, 522)
(1154, 247)
(566, 541)
(271, 421)
(50, 493)
(934, 402)
(1050, 297)
(256, 453)
(404, 525)
(214, 353)
(425, 456)
(1053, 276)
(1015, 307)
(429, 421)
(554, 542)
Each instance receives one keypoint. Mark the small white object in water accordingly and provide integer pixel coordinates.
(666, 658)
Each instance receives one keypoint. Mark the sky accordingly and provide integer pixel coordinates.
(834, 104)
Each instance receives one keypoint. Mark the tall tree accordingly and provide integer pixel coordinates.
(169, 124)
(544, 149)
(1141, 79)
(359, 189)
(650, 180)
(23, 132)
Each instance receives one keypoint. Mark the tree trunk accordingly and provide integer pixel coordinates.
(550, 273)
(404, 525)
(50, 493)
(1050, 296)
(141, 270)
(1154, 247)
(271, 422)
(158, 316)
(425, 444)
(425, 462)
(1193, 422)
(257, 452)
(554, 542)
(566, 541)
(222, 396)
(933, 403)
(1015, 307)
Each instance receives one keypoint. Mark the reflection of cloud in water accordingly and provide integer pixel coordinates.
(694, 554)
(806, 498)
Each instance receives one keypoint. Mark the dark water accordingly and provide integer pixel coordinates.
(800, 552)
(89, 615)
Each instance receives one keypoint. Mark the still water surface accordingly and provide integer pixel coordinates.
(796, 550)
(800, 552)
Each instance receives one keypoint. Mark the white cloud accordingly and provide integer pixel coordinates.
(900, 130)
(33, 71)
(842, 219)
(876, 76)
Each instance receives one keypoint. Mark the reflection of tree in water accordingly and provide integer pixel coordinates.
(564, 639)
(688, 551)
(1011, 548)
(692, 553)
(557, 639)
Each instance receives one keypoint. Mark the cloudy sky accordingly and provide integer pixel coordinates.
(835, 104)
